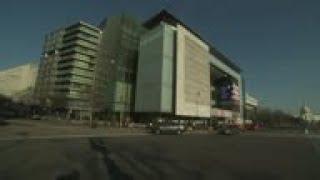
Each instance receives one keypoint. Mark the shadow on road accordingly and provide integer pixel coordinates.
(3, 123)
(22, 133)
(114, 171)
(72, 175)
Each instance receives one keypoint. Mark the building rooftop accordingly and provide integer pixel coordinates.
(170, 19)
(84, 24)
(250, 100)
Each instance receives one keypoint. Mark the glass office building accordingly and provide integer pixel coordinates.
(44, 90)
(128, 69)
(66, 72)
(182, 76)
(116, 65)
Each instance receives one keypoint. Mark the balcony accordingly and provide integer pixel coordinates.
(80, 57)
(75, 64)
(76, 79)
(72, 95)
(75, 72)
(73, 50)
(79, 29)
(82, 36)
(81, 43)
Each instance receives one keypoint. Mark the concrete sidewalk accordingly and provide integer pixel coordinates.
(21, 129)
(75, 136)
(50, 129)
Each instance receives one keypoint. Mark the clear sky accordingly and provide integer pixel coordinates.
(276, 42)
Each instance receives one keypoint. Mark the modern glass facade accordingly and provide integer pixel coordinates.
(45, 82)
(160, 68)
(116, 64)
(175, 75)
(67, 66)
(155, 77)
(75, 69)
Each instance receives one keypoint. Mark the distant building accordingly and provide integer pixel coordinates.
(316, 117)
(251, 107)
(307, 115)
(19, 82)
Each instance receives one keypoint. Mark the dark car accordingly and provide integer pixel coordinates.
(36, 117)
(228, 130)
(2, 121)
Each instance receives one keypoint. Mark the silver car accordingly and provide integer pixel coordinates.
(169, 129)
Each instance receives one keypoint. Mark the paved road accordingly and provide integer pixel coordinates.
(161, 157)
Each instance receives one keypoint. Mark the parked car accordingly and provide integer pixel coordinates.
(137, 125)
(3, 122)
(36, 117)
(229, 130)
(168, 128)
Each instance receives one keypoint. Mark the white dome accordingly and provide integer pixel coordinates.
(305, 110)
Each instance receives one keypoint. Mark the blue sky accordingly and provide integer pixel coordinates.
(276, 43)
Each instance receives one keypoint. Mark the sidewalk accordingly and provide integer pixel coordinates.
(35, 129)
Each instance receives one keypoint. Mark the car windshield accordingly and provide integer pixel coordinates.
(161, 89)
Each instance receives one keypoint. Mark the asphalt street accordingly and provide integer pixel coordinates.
(161, 157)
